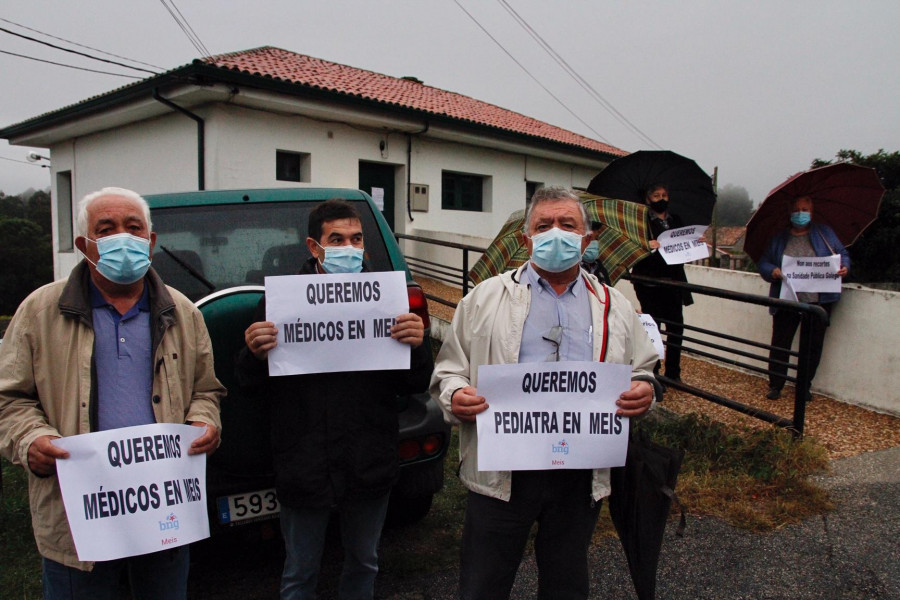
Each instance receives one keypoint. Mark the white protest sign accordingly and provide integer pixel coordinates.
(683, 245)
(652, 330)
(787, 292)
(336, 322)
(555, 415)
(133, 490)
(378, 197)
(812, 273)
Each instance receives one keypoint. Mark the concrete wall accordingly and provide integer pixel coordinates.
(861, 351)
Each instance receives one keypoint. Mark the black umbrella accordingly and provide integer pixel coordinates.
(642, 494)
(691, 194)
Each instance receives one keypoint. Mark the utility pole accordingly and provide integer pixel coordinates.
(714, 259)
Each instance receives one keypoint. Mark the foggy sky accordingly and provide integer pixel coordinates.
(757, 89)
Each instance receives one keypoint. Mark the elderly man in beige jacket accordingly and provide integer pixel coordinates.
(110, 347)
(548, 307)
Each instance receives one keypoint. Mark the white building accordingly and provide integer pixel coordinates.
(269, 118)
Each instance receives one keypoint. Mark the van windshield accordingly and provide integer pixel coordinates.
(200, 249)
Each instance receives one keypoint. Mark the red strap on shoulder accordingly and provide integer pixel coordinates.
(605, 315)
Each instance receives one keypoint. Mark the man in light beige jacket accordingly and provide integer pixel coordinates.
(110, 347)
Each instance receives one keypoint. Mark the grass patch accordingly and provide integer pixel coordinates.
(755, 479)
(20, 563)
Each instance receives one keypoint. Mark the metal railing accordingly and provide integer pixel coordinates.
(458, 276)
(715, 345)
(736, 351)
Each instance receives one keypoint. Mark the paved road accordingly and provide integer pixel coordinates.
(852, 553)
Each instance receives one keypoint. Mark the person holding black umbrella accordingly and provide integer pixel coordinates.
(663, 304)
(802, 238)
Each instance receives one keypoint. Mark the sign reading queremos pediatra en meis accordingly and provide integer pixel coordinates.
(554, 415)
(133, 490)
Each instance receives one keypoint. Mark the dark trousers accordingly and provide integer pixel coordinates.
(495, 533)
(156, 576)
(784, 327)
(665, 305)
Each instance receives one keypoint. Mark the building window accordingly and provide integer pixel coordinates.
(292, 166)
(64, 238)
(460, 191)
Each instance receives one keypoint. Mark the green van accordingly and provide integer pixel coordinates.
(217, 247)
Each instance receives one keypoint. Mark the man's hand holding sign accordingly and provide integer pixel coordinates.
(683, 245)
(133, 490)
(322, 322)
(561, 415)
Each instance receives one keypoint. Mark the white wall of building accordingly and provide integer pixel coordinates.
(861, 354)
(159, 155)
(507, 175)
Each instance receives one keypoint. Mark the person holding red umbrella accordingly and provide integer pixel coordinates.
(802, 238)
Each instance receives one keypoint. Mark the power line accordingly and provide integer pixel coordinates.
(606, 104)
(21, 161)
(50, 62)
(186, 27)
(79, 45)
(527, 72)
(112, 62)
(206, 51)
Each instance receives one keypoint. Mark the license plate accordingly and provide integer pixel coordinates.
(258, 505)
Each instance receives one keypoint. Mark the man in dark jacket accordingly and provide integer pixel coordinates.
(334, 435)
(663, 304)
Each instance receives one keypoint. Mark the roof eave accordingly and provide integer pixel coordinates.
(200, 73)
(91, 106)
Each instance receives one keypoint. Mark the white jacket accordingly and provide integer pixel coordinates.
(487, 329)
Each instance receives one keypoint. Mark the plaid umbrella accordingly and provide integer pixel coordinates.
(623, 239)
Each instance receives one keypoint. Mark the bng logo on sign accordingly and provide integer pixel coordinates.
(561, 448)
(171, 522)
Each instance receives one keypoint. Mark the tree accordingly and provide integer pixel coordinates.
(25, 261)
(37, 210)
(733, 206)
(874, 257)
(11, 207)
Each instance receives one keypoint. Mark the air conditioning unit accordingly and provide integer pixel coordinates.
(418, 197)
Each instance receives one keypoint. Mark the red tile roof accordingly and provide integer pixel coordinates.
(727, 236)
(282, 65)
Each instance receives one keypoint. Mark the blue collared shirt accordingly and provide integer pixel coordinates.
(122, 357)
(570, 311)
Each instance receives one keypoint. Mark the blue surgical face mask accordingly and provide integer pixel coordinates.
(124, 258)
(342, 259)
(556, 250)
(592, 252)
(800, 218)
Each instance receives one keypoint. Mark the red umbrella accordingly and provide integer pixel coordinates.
(846, 197)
